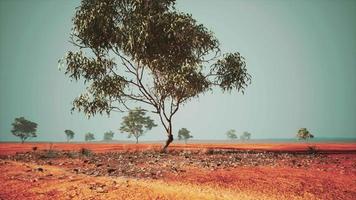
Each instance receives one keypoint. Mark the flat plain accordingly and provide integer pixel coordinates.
(192, 171)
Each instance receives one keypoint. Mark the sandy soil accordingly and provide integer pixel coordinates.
(185, 174)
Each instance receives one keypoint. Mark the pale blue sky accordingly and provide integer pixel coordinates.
(301, 55)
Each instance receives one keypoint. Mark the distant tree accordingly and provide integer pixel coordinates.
(24, 129)
(231, 134)
(69, 134)
(304, 134)
(245, 136)
(136, 123)
(184, 134)
(89, 137)
(147, 52)
(108, 135)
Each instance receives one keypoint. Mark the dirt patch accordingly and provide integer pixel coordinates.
(25, 181)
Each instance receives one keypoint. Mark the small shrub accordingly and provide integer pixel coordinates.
(85, 152)
(34, 148)
(207, 151)
(312, 150)
(72, 154)
(48, 154)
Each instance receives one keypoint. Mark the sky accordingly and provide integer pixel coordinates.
(301, 55)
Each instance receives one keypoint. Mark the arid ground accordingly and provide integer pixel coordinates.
(193, 171)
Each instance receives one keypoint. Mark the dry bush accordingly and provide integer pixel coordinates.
(85, 152)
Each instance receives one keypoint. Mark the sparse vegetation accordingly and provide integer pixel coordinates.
(184, 134)
(108, 136)
(136, 123)
(312, 150)
(304, 134)
(24, 129)
(85, 152)
(215, 165)
(49, 153)
(69, 134)
(231, 134)
(146, 52)
(89, 137)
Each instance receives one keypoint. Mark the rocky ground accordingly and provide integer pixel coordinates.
(153, 164)
(180, 174)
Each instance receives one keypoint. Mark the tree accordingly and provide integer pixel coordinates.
(245, 136)
(146, 52)
(184, 134)
(89, 137)
(136, 123)
(231, 134)
(69, 134)
(108, 135)
(24, 129)
(304, 134)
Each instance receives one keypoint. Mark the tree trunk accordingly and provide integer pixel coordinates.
(170, 138)
(22, 141)
(137, 140)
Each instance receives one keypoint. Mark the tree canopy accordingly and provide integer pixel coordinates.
(184, 134)
(108, 135)
(69, 134)
(245, 136)
(146, 52)
(136, 123)
(304, 134)
(24, 129)
(231, 134)
(89, 137)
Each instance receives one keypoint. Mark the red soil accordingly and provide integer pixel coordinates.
(328, 180)
(12, 148)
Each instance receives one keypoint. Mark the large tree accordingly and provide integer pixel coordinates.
(24, 129)
(146, 51)
(136, 123)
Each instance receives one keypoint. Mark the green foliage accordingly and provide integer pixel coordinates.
(109, 135)
(245, 136)
(69, 134)
(184, 134)
(24, 129)
(136, 123)
(304, 134)
(89, 137)
(231, 134)
(231, 72)
(146, 52)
